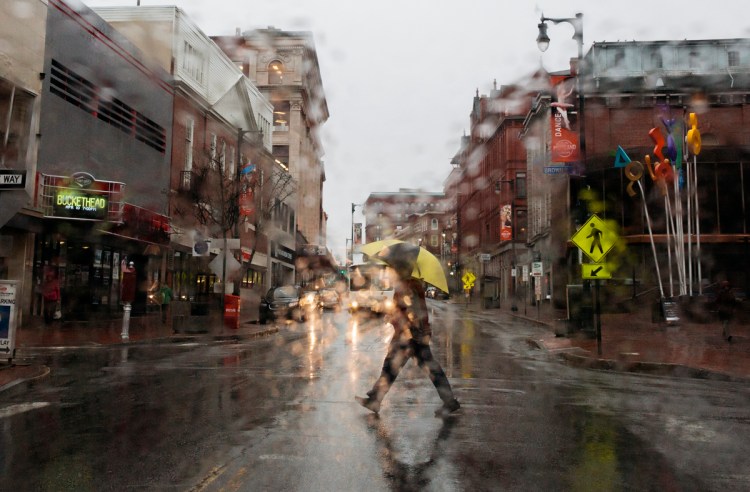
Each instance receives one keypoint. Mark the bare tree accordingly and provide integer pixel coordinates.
(219, 192)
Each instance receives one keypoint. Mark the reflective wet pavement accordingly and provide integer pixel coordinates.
(277, 413)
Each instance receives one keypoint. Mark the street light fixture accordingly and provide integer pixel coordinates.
(512, 182)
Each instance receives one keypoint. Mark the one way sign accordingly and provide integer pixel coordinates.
(11, 179)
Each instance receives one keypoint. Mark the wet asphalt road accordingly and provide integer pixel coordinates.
(278, 414)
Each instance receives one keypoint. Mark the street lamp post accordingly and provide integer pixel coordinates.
(514, 273)
(542, 42)
(351, 251)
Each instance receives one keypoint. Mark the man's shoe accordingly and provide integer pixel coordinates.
(447, 408)
(368, 403)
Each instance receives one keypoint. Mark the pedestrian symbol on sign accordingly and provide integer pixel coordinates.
(595, 238)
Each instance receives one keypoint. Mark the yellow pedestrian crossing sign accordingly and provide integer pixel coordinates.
(595, 271)
(595, 238)
(468, 279)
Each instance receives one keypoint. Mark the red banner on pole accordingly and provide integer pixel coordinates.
(506, 223)
(565, 143)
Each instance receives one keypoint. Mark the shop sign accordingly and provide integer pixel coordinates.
(282, 253)
(80, 196)
(8, 318)
(80, 204)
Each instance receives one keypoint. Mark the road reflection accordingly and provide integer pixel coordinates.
(410, 461)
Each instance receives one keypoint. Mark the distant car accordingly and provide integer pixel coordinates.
(309, 303)
(329, 299)
(280, 303)
(435, 293)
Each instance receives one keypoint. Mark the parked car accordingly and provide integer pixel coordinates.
(329, 299)
(280, 303)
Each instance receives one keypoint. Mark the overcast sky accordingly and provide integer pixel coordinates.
(399, 76)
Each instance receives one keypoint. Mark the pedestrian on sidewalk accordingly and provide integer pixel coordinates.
(725, 304)
(165, 297)
(411, 338)
(51, 295)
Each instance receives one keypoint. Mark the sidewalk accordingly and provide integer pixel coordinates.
(632, 342)
(146, 329)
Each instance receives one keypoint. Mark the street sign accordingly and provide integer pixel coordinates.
(562, 169)
(525, 273)
(594, 271)
(8, 312)
(484, 257)
(12, 179)
(595, 238)
(468, 279)
(536, 269)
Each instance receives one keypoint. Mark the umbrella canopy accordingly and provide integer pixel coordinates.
(399, 254)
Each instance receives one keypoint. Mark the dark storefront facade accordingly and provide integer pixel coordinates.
(102, 180)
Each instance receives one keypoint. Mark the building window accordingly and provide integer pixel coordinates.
(656, 60)
(232, 161)
(733, 58)
(281, 156)
(276, 72)
(16, 108)
(223, 156)
(434, 240)
(192, 61)
(520, 185)
(694, 59)
(243, 67)
(434, 224)
(189, 132)
(619, 57)
(213, 149)
(281, 116)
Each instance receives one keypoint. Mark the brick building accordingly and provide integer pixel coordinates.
(631, 88)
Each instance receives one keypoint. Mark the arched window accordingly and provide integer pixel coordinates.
(434, 224)
(276, 72)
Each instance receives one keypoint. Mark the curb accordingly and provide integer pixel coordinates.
(28, 373)
(588, 361)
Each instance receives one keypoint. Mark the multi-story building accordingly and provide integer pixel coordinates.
(639, 97)
(221, 119)
(284, 66)
(388, 213)
(488, 189)
(102, 168)
(23, 25)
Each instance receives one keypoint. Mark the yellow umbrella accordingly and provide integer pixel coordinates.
(426, 266)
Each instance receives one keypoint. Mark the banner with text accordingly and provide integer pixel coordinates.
(565, 143)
